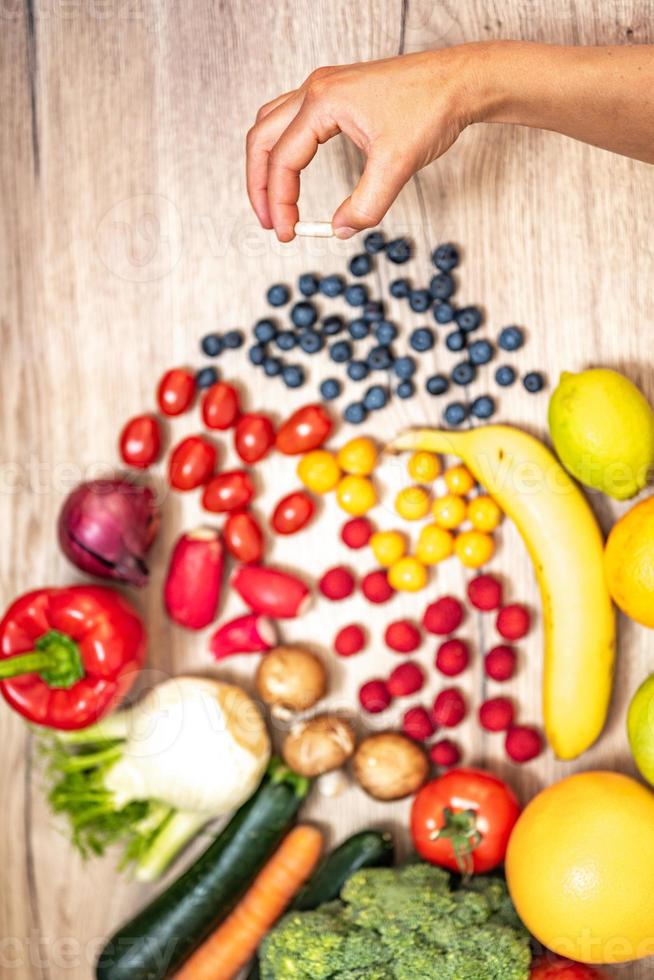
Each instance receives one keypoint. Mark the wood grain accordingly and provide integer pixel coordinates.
(126, 235)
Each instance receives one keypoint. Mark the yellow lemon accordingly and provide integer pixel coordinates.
(629, 563)
(358, 456)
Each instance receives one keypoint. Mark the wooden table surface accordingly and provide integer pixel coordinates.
(126, 235)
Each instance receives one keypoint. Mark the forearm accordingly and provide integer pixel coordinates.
(599, 95)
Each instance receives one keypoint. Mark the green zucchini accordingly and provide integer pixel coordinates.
(155, 943)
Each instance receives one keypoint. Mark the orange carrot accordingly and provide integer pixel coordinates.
(236, 939)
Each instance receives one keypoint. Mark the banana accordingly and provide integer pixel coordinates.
(566, 547)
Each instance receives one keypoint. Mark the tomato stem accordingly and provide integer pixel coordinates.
(460, 827)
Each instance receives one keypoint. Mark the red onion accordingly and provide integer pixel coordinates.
(106, 527)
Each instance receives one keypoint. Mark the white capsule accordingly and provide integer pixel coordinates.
(314, 229)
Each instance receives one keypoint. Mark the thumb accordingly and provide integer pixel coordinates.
(383, 178)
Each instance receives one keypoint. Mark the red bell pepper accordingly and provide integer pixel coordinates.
(68, 656)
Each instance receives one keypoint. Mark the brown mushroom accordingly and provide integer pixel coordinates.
(390, 766)
(319, 745)
(292, 678)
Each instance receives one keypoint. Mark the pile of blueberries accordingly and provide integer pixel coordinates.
(308, 334)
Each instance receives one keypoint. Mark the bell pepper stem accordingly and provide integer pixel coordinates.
(55, 658)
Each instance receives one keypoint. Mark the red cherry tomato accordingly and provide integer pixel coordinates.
(220, 407)
(243, 537)
(140, 441)
(232, 490)
(479, 812)
(305, 430)
(254, 437)
(293, 512)
(191, 463)
(176, 391)
(552, 968)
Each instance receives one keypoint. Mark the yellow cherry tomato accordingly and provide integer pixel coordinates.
(449, 511)
(412, 503)
(388, 546)
(407, 575)
(474, 548)
(358, 456)
(434, 544)
(356, 495)
(459, 480)
(319, 471)
(424, 467)
(483, 513)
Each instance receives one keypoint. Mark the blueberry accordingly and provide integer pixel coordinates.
(533, 382)
(357, 370)
(443, 312)
(468, 318)
(341, 351)
(264, 331)
(286, 340)
(437, 384)
(257, 354)
(456, 340)
(332, 286)
(405, 389)
(206, 377)
(360, 265)
(311, 342)
(356, 294)
(511, 338)
(441, 286)
(455, 413)
(355, 413)
(293, 375)
(482, 407)
(308, 284)
(385, 332)
(304, 314)
(272, 366)
(375, 398)
(419, 300)
(400, 288)
(330, 389)
(505, 376)
(404, 367)
(481, 352)
(331, 325)
(358, 329)
(380, 359)
(422, 339)
(445, 257)
(463, 373)
(374, 242)
(399, 250)
(278, 295)
(373, 311)
(233, 339)
(212, 344)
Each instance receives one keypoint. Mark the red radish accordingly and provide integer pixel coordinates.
(417, 724)
(374, 696)
(449, 708)
(376, 587)
(499, 663)
(445, 753)
(245, 634)
(191, 463)
(496, 714)
(443, 616)
(485, 592)
(337, 583)
(271, 592)
(349, 640)
(254, 437)
(305, 430)
(513, 621)
(452, 657)
(523, 743)
(403, 636)
(293, 512)
(140, 441)
(231, 490)
(243, 537)
(194, 580)
(176, 391)
(405, 679)
(357, 532)
(220, 407)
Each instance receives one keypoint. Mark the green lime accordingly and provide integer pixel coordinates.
(640, 728)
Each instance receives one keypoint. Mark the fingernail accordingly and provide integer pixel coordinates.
(345, 232)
